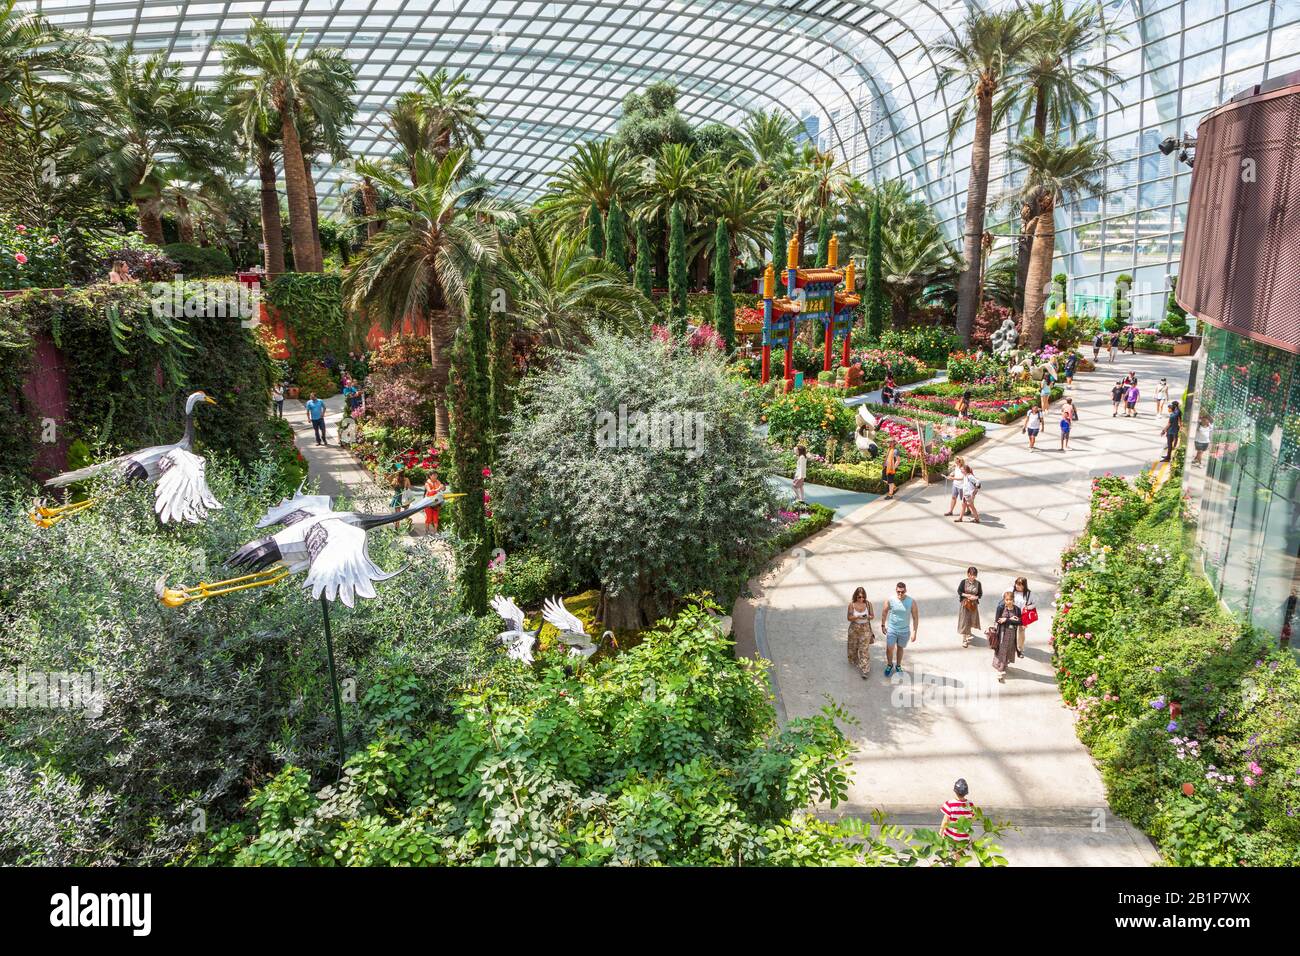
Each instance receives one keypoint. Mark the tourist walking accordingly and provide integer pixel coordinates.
(1116, 397)
(277, 399)
(1096, 346)
(890, 467)
(955, 476)
(800, 471)
(900, 620)
(1114, 345)
(1171, 429)
(316, 412)
(1071, 363)
(1201, 440)
(861, 636)
(1005, 628)
(1045, 393)
(1024, 600)
(1032, 426)
(1069, 414)
(1162, 395)
(1130, 340)
(969, 592)
(958, 815)
(970, 486)
(1131, 399)
(963, 404)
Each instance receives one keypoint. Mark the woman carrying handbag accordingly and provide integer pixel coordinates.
(1028, 613)
(1006, 624)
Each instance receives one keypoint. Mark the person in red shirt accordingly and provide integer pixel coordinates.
(958, 814)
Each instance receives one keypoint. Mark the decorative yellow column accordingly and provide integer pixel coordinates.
(833, 252)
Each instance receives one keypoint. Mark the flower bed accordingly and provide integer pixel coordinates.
(1193, 717)
(988, 402)
(877, 363)
(1150, 340)
(794, 527)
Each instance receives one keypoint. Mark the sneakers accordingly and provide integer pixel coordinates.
(889, 669)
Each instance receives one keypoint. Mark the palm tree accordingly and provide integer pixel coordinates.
(451, 113)
(136, 113)
(272, 75)
(562, 292)
(598, 172)
(915, 255)
(748, 209)
(818, 184)
(771, 138)
(419, 266)
(34, 50)
(1052, 170)
(1058, 87)
(676, 177)
(981, 57)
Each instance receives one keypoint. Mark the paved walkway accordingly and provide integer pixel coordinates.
(333, 467)
(948, 717)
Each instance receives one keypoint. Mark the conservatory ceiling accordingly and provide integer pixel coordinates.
(553, 74)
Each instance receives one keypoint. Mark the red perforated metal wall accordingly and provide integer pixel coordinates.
(1241, 254)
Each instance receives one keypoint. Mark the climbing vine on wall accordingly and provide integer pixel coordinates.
(311, 307)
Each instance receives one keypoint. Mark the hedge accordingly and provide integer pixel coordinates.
(1192, 715)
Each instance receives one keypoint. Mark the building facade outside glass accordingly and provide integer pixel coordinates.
(859, 76)
(1246, 494)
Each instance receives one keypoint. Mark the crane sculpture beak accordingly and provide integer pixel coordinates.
(453, 494)
(210, 401)
(44, 517)
(175, 597)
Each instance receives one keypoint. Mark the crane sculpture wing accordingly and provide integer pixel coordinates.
(340, 563)
(292, 510)
(182, 492)
(509, 612)
(559, 617)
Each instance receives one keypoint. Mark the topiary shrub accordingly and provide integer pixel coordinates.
(1175, 324)
(198, 262)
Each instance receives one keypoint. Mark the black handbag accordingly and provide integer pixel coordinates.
(992, 635)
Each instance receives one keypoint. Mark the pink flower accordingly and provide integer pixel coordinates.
(22, 228)
(487, 472)
(20, 258)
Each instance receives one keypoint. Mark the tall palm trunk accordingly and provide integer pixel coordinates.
(968, 284)
(184, 221)
(1029, 210)
(313, 204)
(148, 217)
(295, 185)
(370, 204)
(1040, 272)
(272, 228)
(442, 334)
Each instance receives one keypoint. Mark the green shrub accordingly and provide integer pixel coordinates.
(311, 307)
(199, 262)
(811, 416)
(315, 378)
(530, 578)
(931, 344)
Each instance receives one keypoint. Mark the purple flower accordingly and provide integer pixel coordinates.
(1158, 703)
(1172, 726)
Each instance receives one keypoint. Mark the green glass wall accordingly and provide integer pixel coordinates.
(1245, 492)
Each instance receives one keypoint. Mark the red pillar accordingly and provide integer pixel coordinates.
(767, 363)
(826, 351)
(844, 357)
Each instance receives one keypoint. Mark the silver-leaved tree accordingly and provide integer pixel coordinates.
(635, 461)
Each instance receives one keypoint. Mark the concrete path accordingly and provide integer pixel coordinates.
(337, 472)
(948, 717)
(842, 502)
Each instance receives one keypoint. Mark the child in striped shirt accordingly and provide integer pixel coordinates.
(957, 810)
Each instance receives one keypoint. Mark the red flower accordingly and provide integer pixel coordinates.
(20, 258)
(487, 472)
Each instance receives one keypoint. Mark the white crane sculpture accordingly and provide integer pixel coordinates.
(181, 490)
(519, 642)
(572, 631)
(331, 546)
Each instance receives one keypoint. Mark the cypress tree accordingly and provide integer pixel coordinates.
(877, 305)
(677, 279)
(779, 241)
(469, 401)
(616, 236)
(643, 256)
(824, 240)
(502, 370)
(595, 232)
(724, 306)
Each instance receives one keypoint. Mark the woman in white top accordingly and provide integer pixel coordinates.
(1201, 440)
(800, 470)
(1162, 395)
(1033, 425)
(277, 399)
(957, 477)
(1022, 599)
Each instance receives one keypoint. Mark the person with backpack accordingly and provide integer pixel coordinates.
(1130, 340)
(970, 486)
(1096, 345)
(1071, 363)
(1032, 426)
(1117, 396)
(1171, 429)
(1114, 344)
